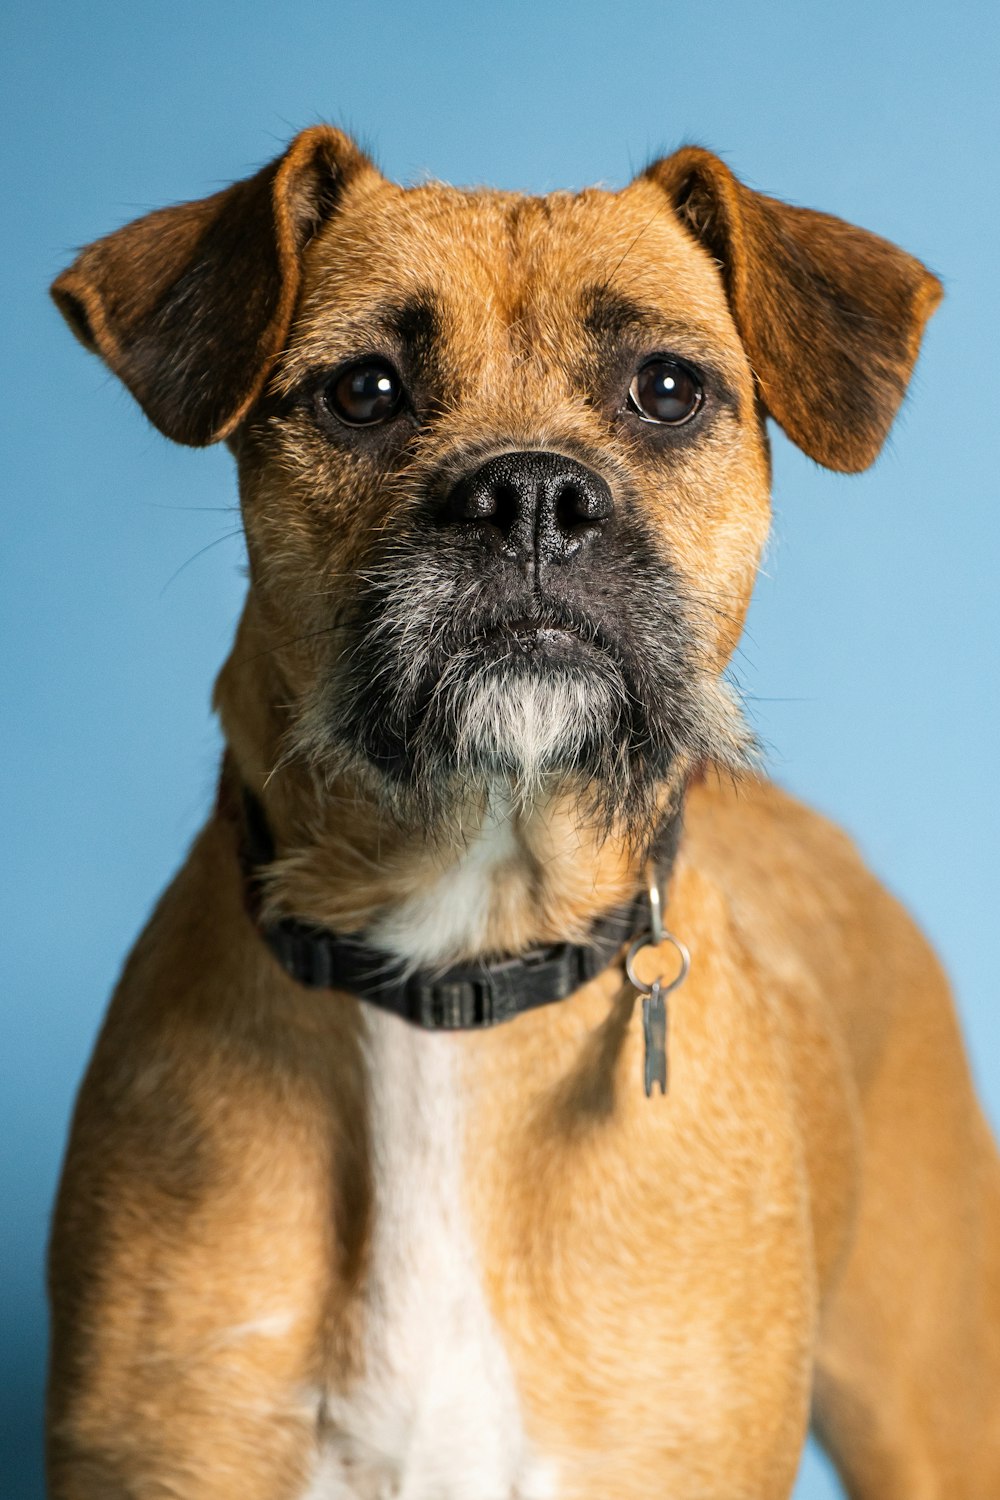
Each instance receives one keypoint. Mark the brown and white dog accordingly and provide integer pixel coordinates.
(504, 476)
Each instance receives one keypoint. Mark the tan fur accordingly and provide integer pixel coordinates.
(814, 1209)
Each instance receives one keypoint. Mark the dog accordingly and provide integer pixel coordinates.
(405, 1165)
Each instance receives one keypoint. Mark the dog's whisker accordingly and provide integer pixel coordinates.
(217, 542)
(308, 635)
(206, 509)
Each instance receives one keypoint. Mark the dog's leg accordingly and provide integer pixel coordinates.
(200, 1233)
(908, 1379)
(185, 1332)
(182, 1356)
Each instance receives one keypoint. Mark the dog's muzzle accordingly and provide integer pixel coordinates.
(526, 626)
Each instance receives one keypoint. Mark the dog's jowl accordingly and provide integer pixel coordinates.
(364, 1196)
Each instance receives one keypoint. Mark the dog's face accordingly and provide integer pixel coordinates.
(510, 483)
(503, 459)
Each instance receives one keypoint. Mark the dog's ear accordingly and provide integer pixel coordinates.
(831, 316)
(191, 305)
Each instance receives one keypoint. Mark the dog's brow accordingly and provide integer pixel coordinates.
(409, 330)
(412, 327)
(416, 323)
(610, 315)
(612, 318)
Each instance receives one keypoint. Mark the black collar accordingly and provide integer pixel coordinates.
(465, 997)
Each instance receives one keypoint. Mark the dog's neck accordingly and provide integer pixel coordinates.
(496, 875)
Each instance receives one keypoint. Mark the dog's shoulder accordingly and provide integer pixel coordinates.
(747, 825)
(801, 895)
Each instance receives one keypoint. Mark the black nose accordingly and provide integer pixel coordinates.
(538, 507)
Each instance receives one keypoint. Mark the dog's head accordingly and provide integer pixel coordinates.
(503, 459)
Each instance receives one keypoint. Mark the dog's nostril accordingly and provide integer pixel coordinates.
(506, 501)
(472, 502)
(569, 507)
(497, 501)
(577, 505)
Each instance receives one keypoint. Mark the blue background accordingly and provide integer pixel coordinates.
(870, 655)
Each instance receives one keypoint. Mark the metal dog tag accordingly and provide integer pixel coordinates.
(654, 996)
(654, 1032)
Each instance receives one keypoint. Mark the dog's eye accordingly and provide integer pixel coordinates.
(363, 393)
(665, 391)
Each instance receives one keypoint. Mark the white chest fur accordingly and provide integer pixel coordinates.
(450, 915)
(435, 1415)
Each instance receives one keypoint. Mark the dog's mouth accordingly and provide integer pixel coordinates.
(545, 636)
(527, 632)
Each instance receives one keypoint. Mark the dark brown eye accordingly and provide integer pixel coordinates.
(664, 391)
(364, 393)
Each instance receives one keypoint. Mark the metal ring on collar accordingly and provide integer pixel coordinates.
(646, 940)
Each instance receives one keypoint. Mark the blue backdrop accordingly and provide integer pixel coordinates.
(870, 655)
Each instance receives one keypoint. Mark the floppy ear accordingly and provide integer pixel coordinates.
(831, 316)
(191, 305)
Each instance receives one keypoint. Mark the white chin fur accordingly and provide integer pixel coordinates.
(528, 725)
